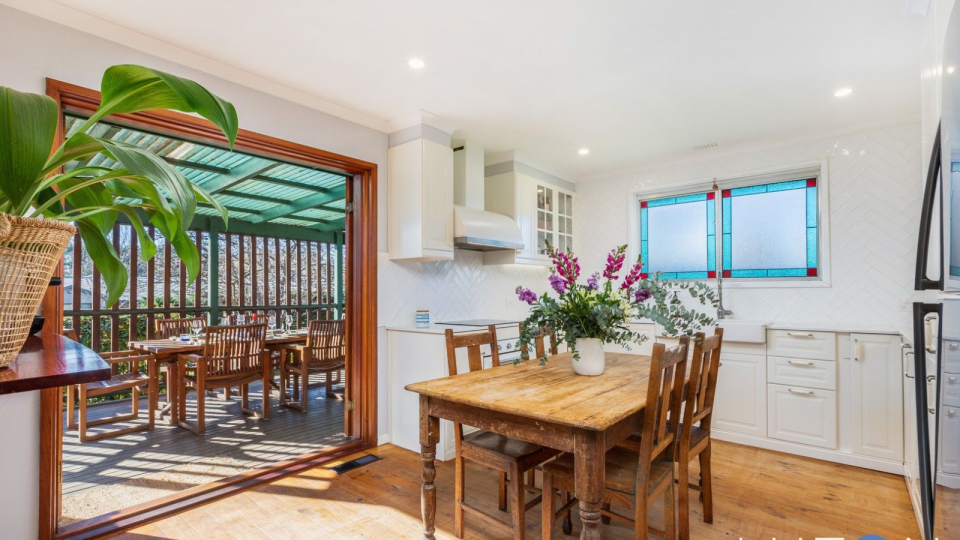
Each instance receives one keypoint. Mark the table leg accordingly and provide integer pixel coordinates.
(173, 390)
(429, 437)
(589, 456)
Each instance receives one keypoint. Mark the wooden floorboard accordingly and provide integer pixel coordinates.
(230, 435)
(759, 495)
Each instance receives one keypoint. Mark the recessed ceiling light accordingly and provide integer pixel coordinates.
(843, 92)
(950, 69)
(584, 151)
(416, 63)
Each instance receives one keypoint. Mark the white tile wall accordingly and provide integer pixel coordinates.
(875, 192)
(459, 289)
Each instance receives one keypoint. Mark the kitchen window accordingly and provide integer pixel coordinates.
(762, 229)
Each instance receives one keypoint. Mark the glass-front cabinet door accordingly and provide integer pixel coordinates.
(554, 221)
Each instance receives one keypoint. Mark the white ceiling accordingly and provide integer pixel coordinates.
(631, 80)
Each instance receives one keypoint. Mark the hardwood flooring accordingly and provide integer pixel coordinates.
(759, 494)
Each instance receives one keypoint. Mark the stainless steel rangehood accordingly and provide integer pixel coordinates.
(479, 230)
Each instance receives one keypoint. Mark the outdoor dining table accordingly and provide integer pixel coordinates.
(547, 405)
(167, 351)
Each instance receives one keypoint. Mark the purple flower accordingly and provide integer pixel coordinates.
(558, 283)
(526, 295)
(643, 294)
(593, 282)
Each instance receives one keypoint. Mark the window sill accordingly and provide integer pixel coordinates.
(730, 283)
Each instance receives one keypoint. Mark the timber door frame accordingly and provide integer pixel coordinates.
(361, 333)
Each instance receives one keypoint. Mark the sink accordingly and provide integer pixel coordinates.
(743, 331)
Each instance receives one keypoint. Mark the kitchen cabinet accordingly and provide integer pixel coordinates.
(543, 211)
(420, 201)
(950, 453)
(877, 396)
(740, 404)
(802, 415)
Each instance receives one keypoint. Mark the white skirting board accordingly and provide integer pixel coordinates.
(882, 465)
(383, 439)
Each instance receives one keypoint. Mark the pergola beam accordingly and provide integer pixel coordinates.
(332, 225)
(303, 203)
(195, 166)
(240, 174)
(291, 183)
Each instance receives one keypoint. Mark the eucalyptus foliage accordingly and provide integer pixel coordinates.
(144, 187)
(604, 305)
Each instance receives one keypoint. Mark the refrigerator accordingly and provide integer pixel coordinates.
(935, 373)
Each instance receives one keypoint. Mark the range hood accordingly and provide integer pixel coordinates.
(479, 230)
(473, 227)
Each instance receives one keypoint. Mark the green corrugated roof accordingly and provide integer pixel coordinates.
(263, 185)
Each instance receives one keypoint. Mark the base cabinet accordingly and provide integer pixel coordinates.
(740, 405)
(802, 415)
(876, 392)
(950, 453)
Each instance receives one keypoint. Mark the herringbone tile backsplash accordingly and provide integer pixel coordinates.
(876, 187)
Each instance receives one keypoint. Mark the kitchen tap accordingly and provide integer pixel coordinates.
(721, 312)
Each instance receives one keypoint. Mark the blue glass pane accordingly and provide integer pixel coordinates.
(748, 273)
(811, 207)
(643, 255)
(711, 253)
(751, 190)
(677, 235)
(690, 198)
(787, 272)
(726, 252)
(691, 275)
(783, 186)
(667, 275)
(812, 247)
(711, 218)
(955, 270)
(643, 224)
(955, 167)
(769, 230)
(727, 215)
(662, 202)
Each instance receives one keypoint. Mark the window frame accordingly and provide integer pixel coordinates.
(814, 169)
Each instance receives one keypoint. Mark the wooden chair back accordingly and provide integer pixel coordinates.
(168, 328)
(540, 342)
(473, 344)
(234, 352)
(661, 419)
(327, 344)
(705, 365)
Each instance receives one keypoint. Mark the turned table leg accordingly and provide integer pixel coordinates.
(589, 455)
(429, 437)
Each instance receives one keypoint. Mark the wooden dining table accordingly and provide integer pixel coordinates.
(547, 405)
(167, 352)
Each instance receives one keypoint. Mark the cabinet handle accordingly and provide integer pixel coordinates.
(805, 364)
(797, 335)
(800, 392)
(856, 350)
(951, 412)
(952, 345)
(952, 379)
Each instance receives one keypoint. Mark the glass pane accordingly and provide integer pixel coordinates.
(768, 230)
(541, 220)
(561, 225)
(677, 237)
(562, 242)
(548, 199)
(570, 205)
(541, 242)
(541, 198)
(562, 203)
(569, 226)
(549, 226)
(570, 243)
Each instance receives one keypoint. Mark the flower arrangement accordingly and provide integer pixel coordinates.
(603, 307)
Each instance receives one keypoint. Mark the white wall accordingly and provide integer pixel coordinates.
(875, 193)
(20, 465)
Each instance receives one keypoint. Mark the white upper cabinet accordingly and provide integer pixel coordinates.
(544, 213)
(877, 396)
(420, 201)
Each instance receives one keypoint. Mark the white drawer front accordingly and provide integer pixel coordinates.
(951, 390)
(821, 374)
(802, 344)
(950, 442)
(951, 356)
(802, 415)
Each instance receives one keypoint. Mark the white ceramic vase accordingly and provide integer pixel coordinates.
(592, 361)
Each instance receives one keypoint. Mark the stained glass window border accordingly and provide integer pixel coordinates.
(812, 269)
(711, 246)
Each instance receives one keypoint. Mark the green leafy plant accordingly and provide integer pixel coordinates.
(144, 187)
(602, 309)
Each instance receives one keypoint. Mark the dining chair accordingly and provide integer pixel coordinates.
(133, 379)
(324, 352)
(512, 458)
(540, 342)
(695, 439)
(169, 328)
(633, 479)
(232, 356)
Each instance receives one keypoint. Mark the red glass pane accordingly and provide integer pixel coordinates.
(811, 272)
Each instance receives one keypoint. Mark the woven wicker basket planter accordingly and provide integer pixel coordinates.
(30, 250)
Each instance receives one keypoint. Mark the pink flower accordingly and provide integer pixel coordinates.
(632, 277)
(614, 262)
